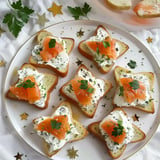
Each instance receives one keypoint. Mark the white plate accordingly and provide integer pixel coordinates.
(90, 147)
(126, 18)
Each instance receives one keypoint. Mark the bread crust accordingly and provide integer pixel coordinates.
(94, 129)
(116, 6)
(40, 36)
(150, 76)
(86, 53)
(75, 102)
(83, 130)
(11, 96)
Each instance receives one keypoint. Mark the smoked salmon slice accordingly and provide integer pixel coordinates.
(84, 97)
(131, 94)
(24, 92)
(109, 127)
(106, 47)
(57, 126)
(50, 52)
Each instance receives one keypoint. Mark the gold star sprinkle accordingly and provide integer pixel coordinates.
(55, 9)
(149, 40)
(18, 156)
(135, 117)
(80, 33)
(42, 19)
(72, 153)
(1, 31)
(2, 63)
(24, 116)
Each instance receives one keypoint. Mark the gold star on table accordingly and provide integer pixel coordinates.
(135, 117)
(79, 62)
(1, 31)
(42, 19)
(2, 63)
(55, 9)
(149, 40)
(18, 156)
(72, 153)
(80, 33)
(24, 116)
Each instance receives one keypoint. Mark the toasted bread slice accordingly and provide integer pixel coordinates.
(119, 4)
(77, 132)
(101, 63)
(148, 105)
(139, 135)
(101, 87)
(62, 69)
(48, 82)
(148, 8)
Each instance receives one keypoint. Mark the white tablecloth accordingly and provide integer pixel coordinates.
(10, 143)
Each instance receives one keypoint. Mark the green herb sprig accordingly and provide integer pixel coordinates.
(55, 124)
(27, 84)
(16, 19)
(132, 64)
(78, 11)
(84, 85)
(134, 84)
(118, 130)
(52, 43)
(121, 91)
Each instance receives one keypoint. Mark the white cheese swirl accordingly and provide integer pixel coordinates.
(102, 60)
(97, 84)
(128, 128)
(60, 62)
(53, 141)
(120, 100)
(25, 72)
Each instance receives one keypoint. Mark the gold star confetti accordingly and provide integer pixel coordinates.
(1, 31)
(149, 40)
(55, 9)
(24, 116)
(18, 156)
(2, 63)
(42, 19)
(80, 33)
(79, 62)
(72, 153)
(135, 117)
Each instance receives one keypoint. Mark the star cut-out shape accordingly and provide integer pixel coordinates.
(135, 117)
(1, 31)
(79, 62)
(42, 19)
(72, 153)
(18, 156)
(149, 40)
(24, 116)
(80, 33)
(55, 9)
(2, 63)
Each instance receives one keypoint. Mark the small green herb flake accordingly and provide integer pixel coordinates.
(118, 129)
(55, 124)
(121, 91)
(90, 90)
(27, 84)
(132, 64)
(134, 84)
(97, 50)
(52, 43)
(17, 18)
(78, 11)
(84, 84)
(106, 44)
